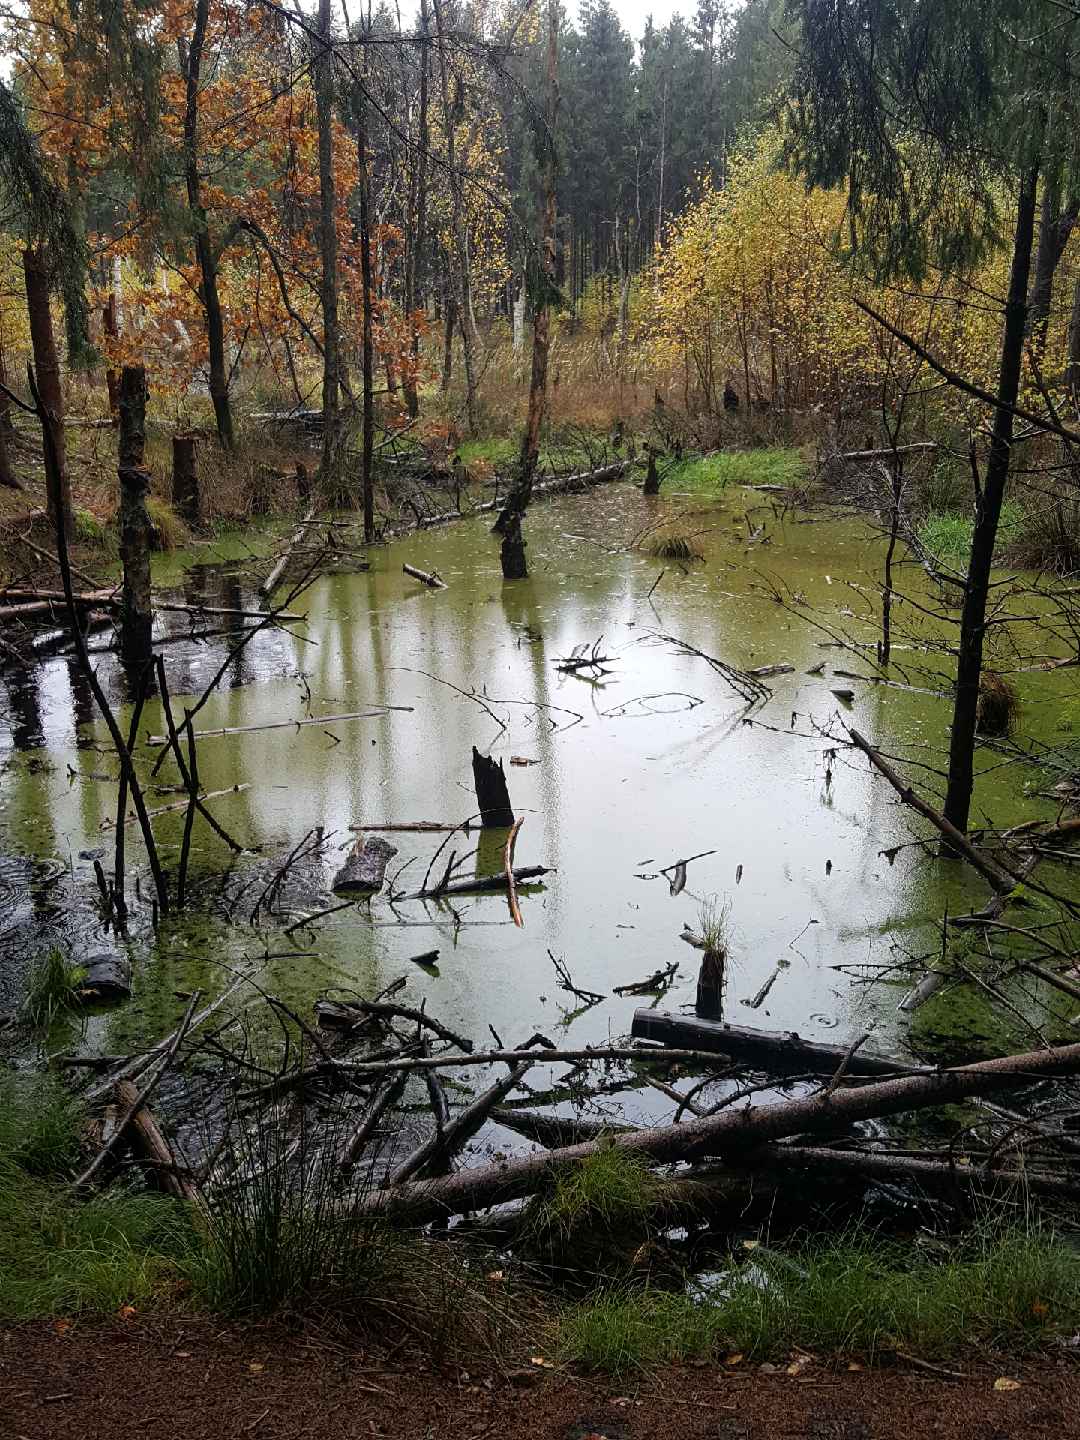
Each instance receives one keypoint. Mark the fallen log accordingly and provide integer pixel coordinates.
(880, 1165)
(432, 578)
(151, 1146)
(555, 1130)
(269, 584)
(388, 1093)
(998, 879)
(451, 1136)
(771, 1050)
(865, 457)
(351, 1014)
(351, 1070)
(733, 1131)
(482, 884)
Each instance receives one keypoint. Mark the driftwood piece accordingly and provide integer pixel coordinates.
(449, 1137)
(365, 870)
(431, 578)
(734, 1131)
(773, 1050)
(492, 796)
(375, 713)
(482, 884)
(998, 879)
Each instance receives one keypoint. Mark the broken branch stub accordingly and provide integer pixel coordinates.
(492, 795)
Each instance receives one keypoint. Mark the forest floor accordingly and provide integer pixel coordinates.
(207, 1380)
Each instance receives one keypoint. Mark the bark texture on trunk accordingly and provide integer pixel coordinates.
(191, 56)
(328, 251)
(987, 514)
(136, 615)
(514, 565)
(414, 270)
(8, 478)
(1055, 227)
(47, 367)
(367, 484)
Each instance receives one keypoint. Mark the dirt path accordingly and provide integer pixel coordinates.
(204, 1381)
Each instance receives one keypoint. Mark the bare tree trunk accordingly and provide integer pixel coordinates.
(368, 341)
(508, 525)
(110, 324)
(47, 365)
(191, 62)
(987, 514)
(8, 478)
(1055, 227)
(136, 618)
(328, 251)
(460, 275)
(185, 479)
(449, 326)
(1072, 373)
(418, 218)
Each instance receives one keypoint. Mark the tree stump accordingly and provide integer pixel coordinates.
(512, 552)
(652, 478)
(136, 616)
(303, 481)
(107, 980)
(709, 1003)
(492, 796)
(365, 869)
(185, 479)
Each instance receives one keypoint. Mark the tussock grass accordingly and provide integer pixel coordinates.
(170, 532)
(674, 545)
(999, 704)
(947, 534)
(1049, 538)
(52, 988)
(857, 1298)
(713, 916)
(770, 465)
(39, 1124)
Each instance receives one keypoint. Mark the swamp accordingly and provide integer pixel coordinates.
(539, 765)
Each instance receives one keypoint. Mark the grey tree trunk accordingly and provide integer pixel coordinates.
(328, 251)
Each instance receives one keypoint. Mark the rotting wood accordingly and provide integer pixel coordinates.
(451, 1136)
(773, 1049)
(492, 796)
(735, 1131)
(432, 579)
(364, 872)
(998, 879)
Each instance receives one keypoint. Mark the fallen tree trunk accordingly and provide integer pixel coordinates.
(774, 1050)
(732, 1131)
(482, 884)
(440, 1146)
(388, 1093)
(998, 879)
(432, 579)
(151, 1146)
(269, 584)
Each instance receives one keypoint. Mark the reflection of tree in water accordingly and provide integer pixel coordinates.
(24, 710)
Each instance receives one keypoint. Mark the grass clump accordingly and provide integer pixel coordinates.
(999, 704)
(947, 534)
(52, 988)
(39, 1124)
(675, 545)
(168, 531)
(592, 1222)
(705, 474)
(857, 1298)
(89, 529)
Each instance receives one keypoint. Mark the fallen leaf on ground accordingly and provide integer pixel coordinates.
(1004, 1383)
